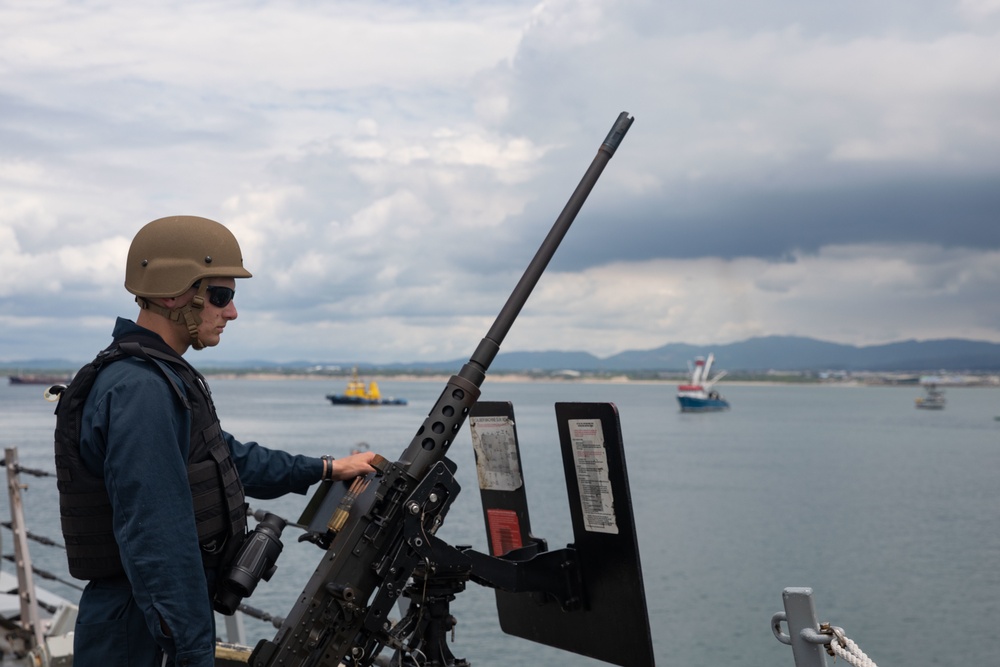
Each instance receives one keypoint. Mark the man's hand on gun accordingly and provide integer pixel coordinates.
(352, 466)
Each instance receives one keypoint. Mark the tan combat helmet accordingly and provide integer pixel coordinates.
(169, 255)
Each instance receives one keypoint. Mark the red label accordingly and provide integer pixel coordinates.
(505, 531)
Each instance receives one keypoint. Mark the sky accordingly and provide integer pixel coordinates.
(829, 170)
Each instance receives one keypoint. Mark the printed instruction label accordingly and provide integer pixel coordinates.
(496, 453)
(505, 531)
(591, 459)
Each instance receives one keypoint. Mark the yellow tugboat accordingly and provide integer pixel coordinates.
(359, 394)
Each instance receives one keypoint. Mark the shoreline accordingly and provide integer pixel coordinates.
(496, 378)
(987, 382)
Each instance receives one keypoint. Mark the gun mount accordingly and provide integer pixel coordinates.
(376, 538)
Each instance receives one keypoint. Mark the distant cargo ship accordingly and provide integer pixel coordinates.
(40, 379)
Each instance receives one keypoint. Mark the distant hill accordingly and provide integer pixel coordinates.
(779, 353)
(796, 353)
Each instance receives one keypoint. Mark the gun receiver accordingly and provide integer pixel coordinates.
(341, 615)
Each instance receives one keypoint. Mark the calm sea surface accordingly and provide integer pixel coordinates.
(890, 514)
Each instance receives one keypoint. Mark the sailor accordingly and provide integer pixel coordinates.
(151, 488)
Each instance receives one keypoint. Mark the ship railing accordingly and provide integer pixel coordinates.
(810, 640)
(33, 632)
(30, 634)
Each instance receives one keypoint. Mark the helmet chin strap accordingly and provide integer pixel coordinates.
(188, 314)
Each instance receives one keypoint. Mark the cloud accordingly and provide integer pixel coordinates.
(866, 294)
(391, 169)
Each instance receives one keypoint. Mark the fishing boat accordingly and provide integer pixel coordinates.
(932, 400)
(698, 395)
(358, 393)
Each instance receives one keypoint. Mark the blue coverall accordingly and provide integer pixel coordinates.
(136, 434)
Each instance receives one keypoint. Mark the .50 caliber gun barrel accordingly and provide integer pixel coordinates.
(431, 442)
(344, 604)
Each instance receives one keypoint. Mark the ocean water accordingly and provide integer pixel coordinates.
(890, 514)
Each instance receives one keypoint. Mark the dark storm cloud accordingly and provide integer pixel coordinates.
(961, 213)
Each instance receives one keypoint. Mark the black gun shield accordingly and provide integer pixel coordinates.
(613, 625)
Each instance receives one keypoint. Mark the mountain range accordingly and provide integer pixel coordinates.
(776, 353)
(779, 353)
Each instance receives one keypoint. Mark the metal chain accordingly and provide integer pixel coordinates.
(34, 471)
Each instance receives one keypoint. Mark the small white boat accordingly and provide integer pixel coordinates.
(932, 400)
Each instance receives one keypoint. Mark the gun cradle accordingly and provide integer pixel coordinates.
(342, 614)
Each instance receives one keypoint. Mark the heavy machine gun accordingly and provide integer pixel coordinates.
(382, 528)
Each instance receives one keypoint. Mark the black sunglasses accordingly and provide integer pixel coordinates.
(220, 296)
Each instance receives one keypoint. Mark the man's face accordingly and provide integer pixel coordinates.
(214, 318)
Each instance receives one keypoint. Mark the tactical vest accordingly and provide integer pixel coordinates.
(84, 505)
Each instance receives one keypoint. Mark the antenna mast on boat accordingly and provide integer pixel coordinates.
(708, 367)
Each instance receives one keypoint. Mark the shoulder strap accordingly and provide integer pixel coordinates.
(134, 349)
(79, 387)
(141, 346)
